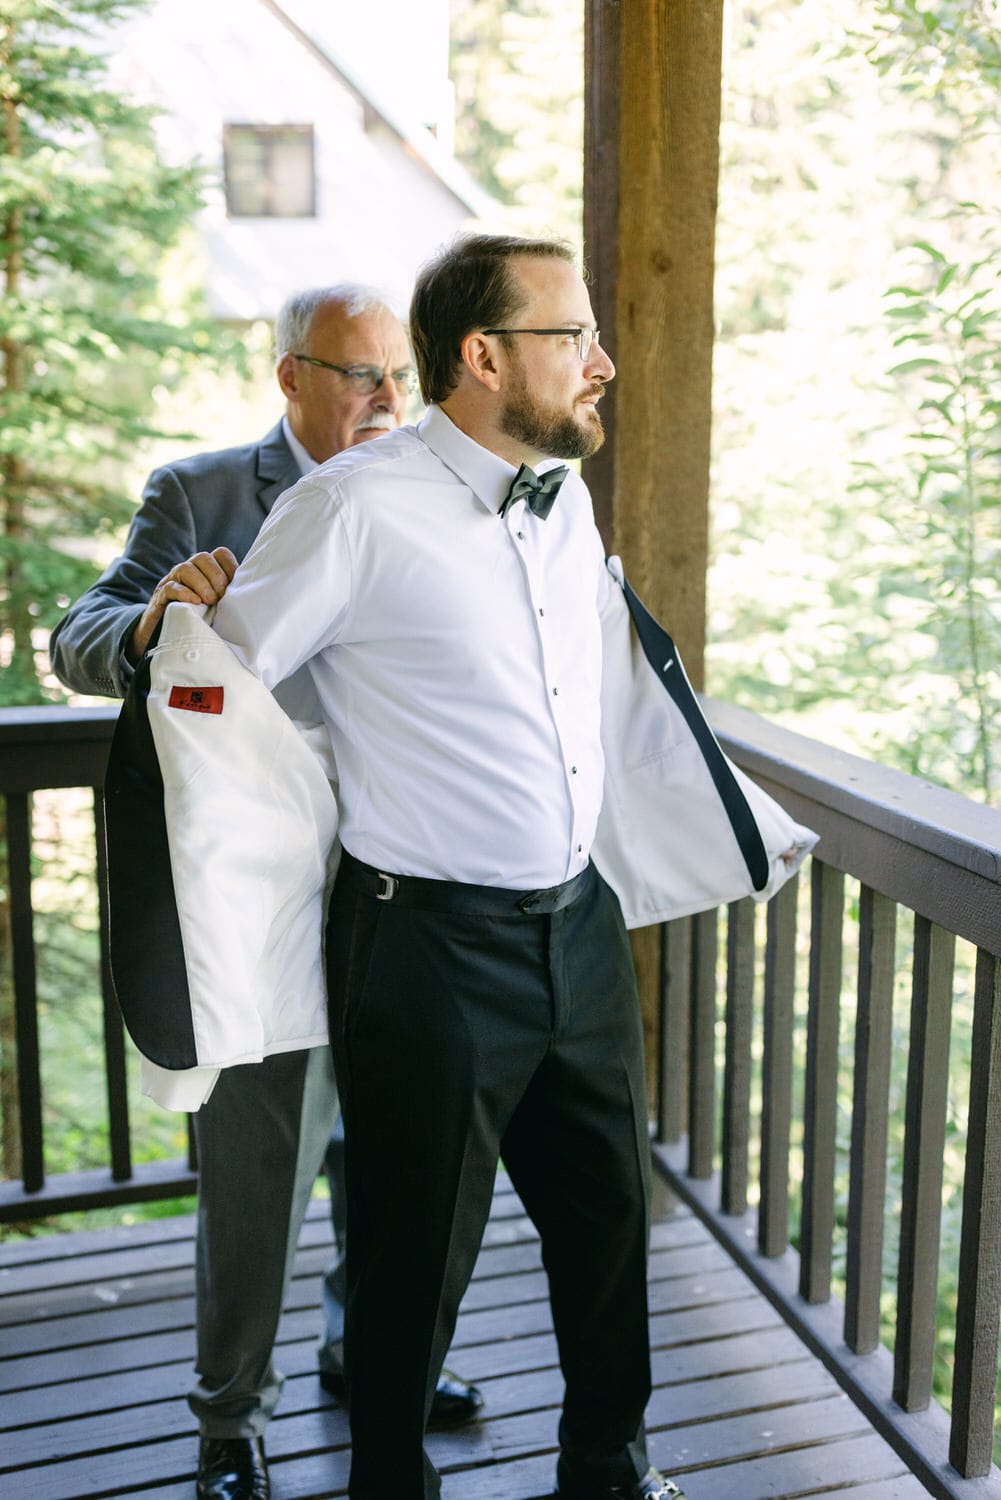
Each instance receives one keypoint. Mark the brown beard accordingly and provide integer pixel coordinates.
(547, 430)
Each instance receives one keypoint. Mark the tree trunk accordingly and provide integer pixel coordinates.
(13, 525)
(12, 470)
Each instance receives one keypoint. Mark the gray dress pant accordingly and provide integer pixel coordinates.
(262, 1137)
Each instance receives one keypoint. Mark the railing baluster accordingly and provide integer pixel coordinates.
(821, 1090)
(702, 1067)
(924, 1144)
(53, 748)
(776, 1070)
(672, 1064)
(114, 1037)
(867, 1190)
(979, 1303)
(25, 990)
(737, 1074)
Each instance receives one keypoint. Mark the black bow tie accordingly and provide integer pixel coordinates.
(538, 491)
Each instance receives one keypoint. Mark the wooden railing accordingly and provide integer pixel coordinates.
(910, 847)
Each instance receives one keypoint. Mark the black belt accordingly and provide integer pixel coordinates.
(452, 895)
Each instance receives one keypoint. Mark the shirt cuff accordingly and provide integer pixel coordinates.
(185, 1089)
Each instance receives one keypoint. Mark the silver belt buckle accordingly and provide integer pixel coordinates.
(390, 888)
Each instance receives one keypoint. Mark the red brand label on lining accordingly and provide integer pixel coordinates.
(203, 700)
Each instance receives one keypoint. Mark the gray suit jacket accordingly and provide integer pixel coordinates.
(211, 500)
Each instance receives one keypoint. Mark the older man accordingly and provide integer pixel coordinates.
(345, 370)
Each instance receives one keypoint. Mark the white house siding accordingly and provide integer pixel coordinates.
(380, 209)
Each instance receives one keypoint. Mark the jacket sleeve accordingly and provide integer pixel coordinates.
(88, 645)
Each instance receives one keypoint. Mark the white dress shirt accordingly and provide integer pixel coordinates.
(305, 460)
(456, 654)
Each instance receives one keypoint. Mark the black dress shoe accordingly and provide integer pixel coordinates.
(653, 1486)
(453, 1403)
(232, 1469)
(333, 1383)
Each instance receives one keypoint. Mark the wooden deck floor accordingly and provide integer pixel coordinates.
(96, 1342)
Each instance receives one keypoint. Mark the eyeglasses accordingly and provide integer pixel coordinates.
(365, 378)
(585, 336)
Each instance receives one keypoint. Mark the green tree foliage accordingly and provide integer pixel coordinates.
(87, 209)
(941, 491)
(942, 504)
(518, 73)
(852, 591)
(949, 50)
(813, 202)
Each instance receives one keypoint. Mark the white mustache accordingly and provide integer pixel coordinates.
(380, 419)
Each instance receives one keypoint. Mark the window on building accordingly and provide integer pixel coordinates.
(269, 171)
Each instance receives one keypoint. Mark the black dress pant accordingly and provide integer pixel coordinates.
(469, 1023)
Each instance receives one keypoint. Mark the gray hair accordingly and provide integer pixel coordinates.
(296, 314)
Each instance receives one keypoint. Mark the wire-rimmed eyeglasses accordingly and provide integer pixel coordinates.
(366, 378)
(585, 336)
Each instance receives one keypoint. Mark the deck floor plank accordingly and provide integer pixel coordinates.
(97, 1334)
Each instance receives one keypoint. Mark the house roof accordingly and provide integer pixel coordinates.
(418, 141)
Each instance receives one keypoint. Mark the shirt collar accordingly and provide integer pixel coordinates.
(487, 474)
(303, 458)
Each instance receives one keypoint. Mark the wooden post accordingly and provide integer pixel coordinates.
(653, 73)
(651, 165)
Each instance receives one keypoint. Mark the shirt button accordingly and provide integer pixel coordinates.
(556, 692)
(542, 611)
(580, 848)
(573, 770)
(521, 536)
